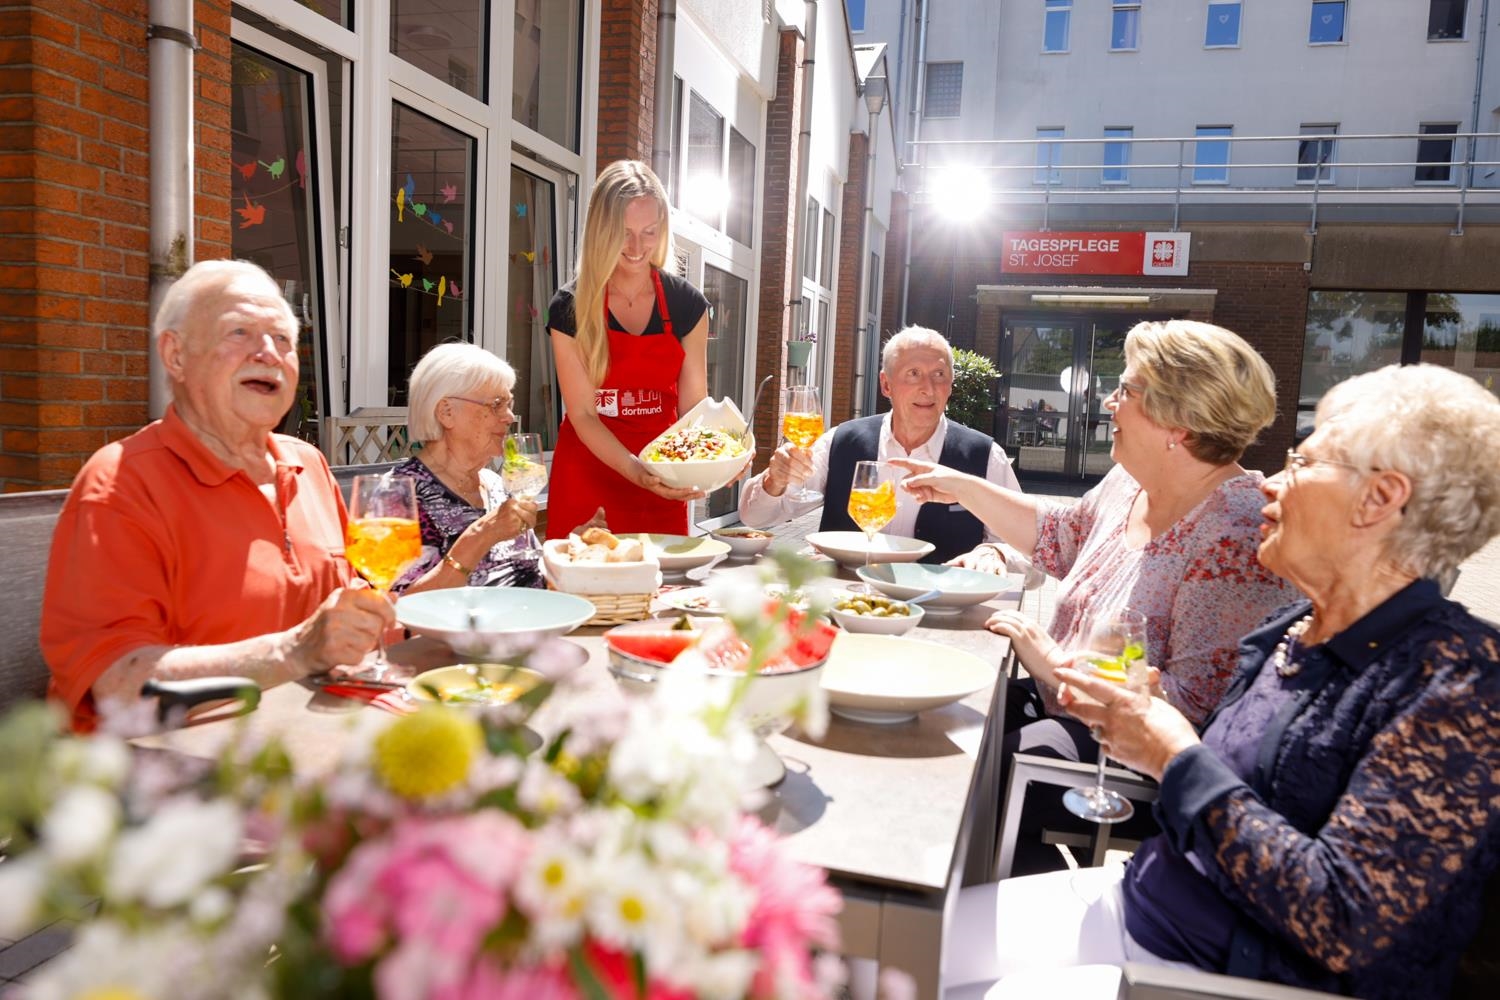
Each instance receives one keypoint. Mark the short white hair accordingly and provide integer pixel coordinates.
(452, 370)
(1437, 427)
(913, 337)
(204, 280)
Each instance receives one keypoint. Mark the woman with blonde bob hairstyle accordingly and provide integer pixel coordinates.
(1171, 531)
(631, 345)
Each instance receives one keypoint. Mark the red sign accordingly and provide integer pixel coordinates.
(1095, 253)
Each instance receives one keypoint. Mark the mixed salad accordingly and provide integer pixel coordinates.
(695, 444)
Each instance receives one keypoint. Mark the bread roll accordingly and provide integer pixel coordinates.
(629, 550)
(599, 536)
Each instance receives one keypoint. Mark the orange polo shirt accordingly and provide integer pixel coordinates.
(161, 543)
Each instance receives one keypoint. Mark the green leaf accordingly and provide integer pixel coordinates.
(584, 978)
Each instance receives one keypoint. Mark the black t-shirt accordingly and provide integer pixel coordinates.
(685, 304)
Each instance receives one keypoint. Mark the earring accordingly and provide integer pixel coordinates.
(1171, 445)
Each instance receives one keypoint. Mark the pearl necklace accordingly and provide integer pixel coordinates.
(1281, 656)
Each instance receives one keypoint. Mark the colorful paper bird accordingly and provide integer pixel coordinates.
(405, 279)
(434, 218)
(454, 292)
(521, 211)
(276, 167)
(400, 203)
(253, 215)
(411, 189)
(426, 284)
(420, 208)
(247, 170)
(449, 193)
(442, 287)
(448, 226)
(423, 254)
(301, 164)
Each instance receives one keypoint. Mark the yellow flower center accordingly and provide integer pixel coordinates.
(109, 993)
(632, 910)
(427, 753)
(554, 874)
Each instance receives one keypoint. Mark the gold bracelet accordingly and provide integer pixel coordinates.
(453, 563)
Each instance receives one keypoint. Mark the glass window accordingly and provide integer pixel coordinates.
(1211, 154)
(546, 71)
(1125, 28)
(1348, 333)
(1435, 155)
(1315, 156)
(1327, 25)
(728, 327)
(830, 245)
(1048, 157)
(674, 180)
(703, 190)
(741, 225)
(810, 243)
(1462, 332)
(337, 11)
(856, 9)
(533, 279)
(431, 220)
(1117, 155)
(1445, 19)
(447, 45)
(1055, 29)
(1223, 28)
(945, 90)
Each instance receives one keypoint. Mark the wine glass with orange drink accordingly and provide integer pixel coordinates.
(802, 425)
(872, 505)
(383, 537)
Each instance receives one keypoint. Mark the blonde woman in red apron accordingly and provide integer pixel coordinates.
(631, 346)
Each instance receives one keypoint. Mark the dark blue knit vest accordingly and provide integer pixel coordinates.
(951, 529)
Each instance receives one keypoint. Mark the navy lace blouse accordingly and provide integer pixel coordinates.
(1354, 858)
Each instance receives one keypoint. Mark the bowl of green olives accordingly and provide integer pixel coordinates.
(874, 613)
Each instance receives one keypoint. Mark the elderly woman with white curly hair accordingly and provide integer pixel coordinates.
(1335, 824)
(460, 409)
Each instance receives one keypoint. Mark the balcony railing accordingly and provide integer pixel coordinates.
(1448, 170)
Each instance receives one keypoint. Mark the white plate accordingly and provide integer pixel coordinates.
(492, 621)
(849, 548)
(887, 678)
(744, 546)
(680, 553)
(693, 600)
(957, 588)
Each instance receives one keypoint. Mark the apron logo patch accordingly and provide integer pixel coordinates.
(640, 402)
(607, 402)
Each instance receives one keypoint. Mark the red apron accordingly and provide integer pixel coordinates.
(637, 401)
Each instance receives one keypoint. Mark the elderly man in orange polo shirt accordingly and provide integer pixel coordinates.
(205, 543)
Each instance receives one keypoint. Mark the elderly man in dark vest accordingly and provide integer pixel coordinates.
(916, 375)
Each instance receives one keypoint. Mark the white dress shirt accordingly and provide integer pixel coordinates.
(759, 509)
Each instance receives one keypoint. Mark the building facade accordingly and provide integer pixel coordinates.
(415, 171)
(1319, 176)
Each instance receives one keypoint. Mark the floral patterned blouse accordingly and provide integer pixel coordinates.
(444, 515)
(1199, 584)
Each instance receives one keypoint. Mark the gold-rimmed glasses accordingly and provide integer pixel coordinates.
(1296, 461)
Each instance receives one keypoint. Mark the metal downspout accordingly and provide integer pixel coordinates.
(170, 48)
(1484, 24)
(666, 69)
(804, 159)
(862, 339)
(918, 106)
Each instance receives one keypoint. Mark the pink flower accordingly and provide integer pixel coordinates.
(488, 981)
(794, 908)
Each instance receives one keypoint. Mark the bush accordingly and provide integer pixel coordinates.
(973, 401)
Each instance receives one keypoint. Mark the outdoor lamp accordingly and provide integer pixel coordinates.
(875, 94)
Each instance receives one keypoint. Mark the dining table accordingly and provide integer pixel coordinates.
(900, 815)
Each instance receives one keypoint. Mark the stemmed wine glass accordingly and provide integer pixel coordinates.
(383, 537)
(1116, 646)
(523, 473)
(802, 425)
(872, 504)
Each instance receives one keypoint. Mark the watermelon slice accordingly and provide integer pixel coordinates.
(657, 647)
(723, 649)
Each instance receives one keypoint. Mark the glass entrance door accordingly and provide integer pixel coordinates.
(1058, 371)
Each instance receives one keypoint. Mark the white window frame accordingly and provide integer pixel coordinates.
(1239, 32)
(1463, 31)
(1063, 9)
(1048, 156)
(1323, 175)
(1121, 141)
(1129, 9)
(1199, 138)
(1453, 163)
(1343, 38)
(927, 88)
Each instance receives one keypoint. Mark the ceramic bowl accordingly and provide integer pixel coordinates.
(850, 548)
(745, 543)
(886, 678)
(485, 622)
(680, 553)
(854, 621)
(473, 684)
(706, 475)
(957, 588)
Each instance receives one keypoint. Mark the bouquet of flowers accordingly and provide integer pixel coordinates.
(444, 855)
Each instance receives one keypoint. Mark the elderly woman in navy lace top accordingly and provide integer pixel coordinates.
(1336, 822)
(459, 407)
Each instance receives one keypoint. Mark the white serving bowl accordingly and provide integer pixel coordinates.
(492, 621)
(886, 678)
(849, 548)
(679, 553)
(768, 701)
(743, 546)
(706, 475)
(853, 621)
(957, 588)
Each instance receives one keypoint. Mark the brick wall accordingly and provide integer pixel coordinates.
(779, 276)
(627, 69)
(74, 258)
(849, 309)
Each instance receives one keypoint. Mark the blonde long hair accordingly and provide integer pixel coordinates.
(618, 185)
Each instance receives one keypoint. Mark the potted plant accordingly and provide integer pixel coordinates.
(973, 401)
(799, 349)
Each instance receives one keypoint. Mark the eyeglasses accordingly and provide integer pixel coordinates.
(1295, 461)
(496, 406)
(1125, 391)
